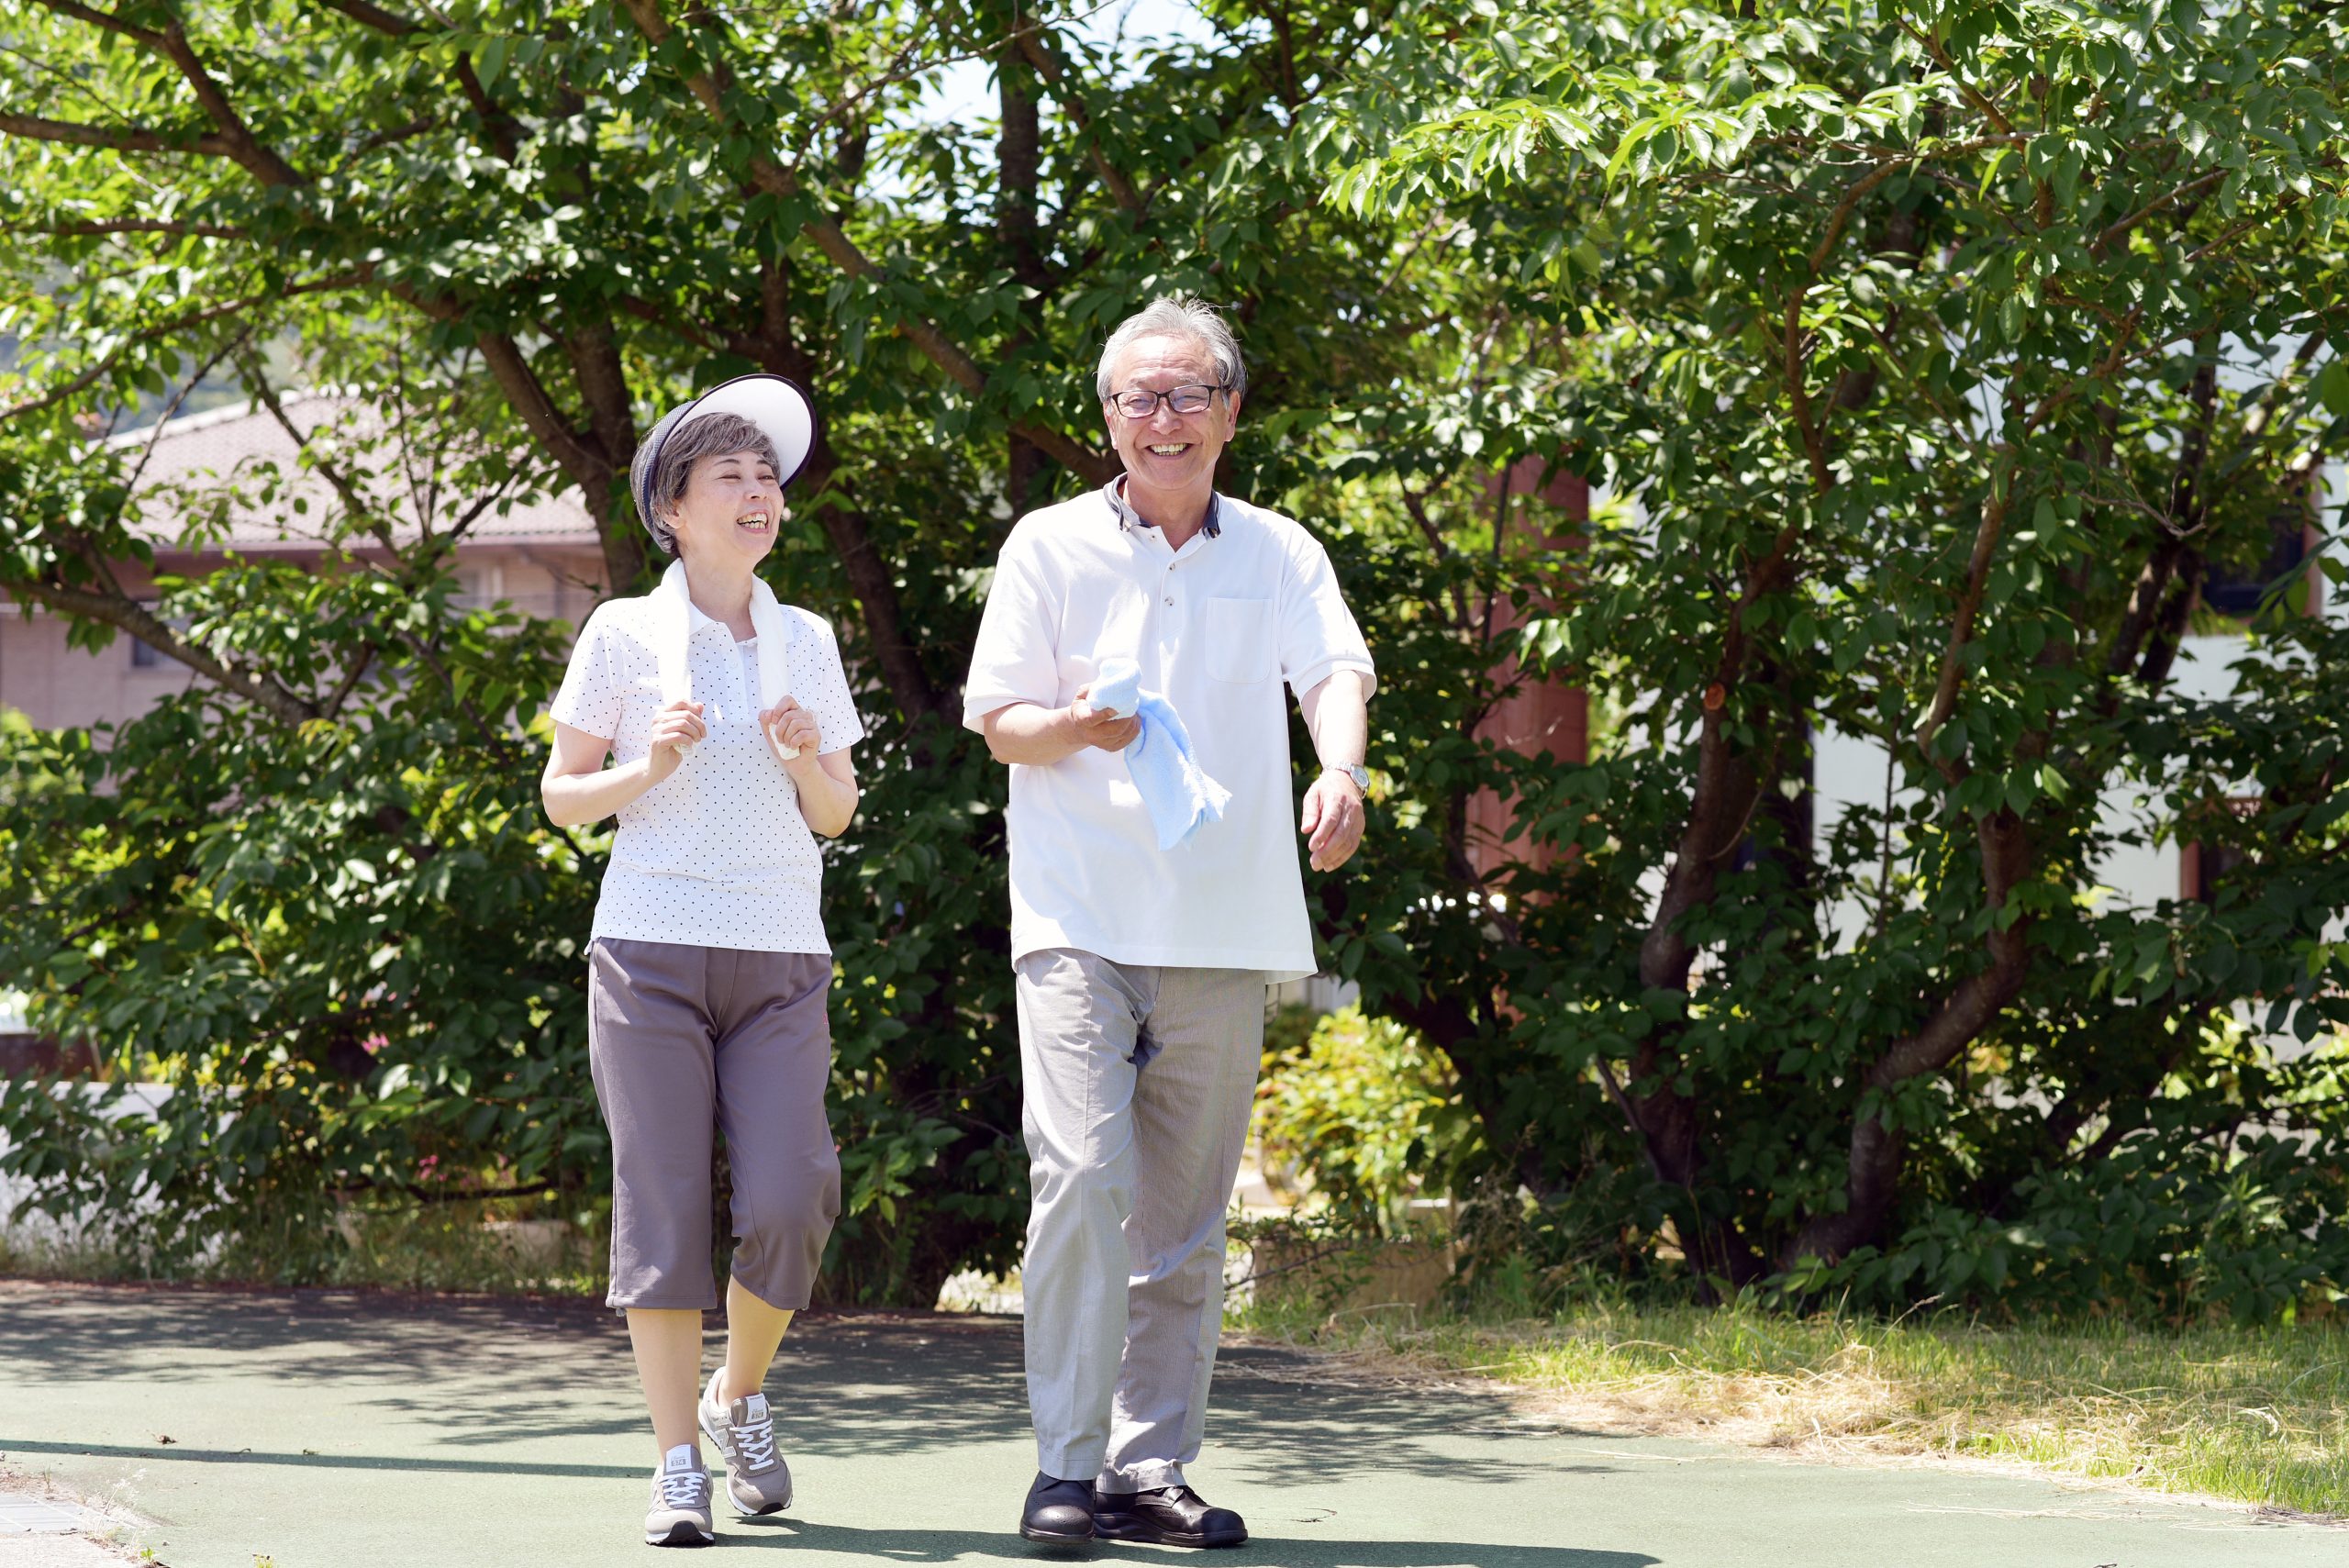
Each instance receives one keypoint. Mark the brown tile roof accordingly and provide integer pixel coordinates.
(194, 454)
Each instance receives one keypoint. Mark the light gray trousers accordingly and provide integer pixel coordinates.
(1137, 1083)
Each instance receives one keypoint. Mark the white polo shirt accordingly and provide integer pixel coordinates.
(1248, 603)
(717, 854)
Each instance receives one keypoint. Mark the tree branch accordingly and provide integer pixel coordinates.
(499, 125)
(530, 401)
(235, 141)
(162, 329)
(262, 163)
(367, 516)
(1814, 444)
(369, 15)
(1995, 506)
(117, 139)
(603, 384)
(104, 20)
(2120, 228)
(1983, 107)
(125, 614)
(127, 226)
(1037, 50)
(1873, 1161)
(825, 230)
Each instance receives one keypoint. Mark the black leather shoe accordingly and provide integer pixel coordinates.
(1059, 1513)
(1170, 1515)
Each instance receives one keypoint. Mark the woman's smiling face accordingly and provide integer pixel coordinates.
(730, 509)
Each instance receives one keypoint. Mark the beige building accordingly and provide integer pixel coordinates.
(541, 557)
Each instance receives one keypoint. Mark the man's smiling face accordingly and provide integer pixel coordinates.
(1165, 452)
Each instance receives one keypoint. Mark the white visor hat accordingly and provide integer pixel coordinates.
(773, 404)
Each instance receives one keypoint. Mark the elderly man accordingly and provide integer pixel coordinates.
(1141, 971)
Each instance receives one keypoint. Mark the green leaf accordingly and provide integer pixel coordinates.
(2332, 387)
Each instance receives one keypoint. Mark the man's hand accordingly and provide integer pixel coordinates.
(1090, 726)
(790, 728)
(675, 728)
(1332, 821)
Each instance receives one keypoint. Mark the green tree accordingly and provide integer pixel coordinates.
(1942, 358)
(319, 883)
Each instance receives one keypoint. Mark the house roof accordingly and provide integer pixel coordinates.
(240, 444)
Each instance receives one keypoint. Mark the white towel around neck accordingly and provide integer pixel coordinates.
(673, 629)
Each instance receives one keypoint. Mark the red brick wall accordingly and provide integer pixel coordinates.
(1541, 715)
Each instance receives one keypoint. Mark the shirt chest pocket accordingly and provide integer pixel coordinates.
(1239, 639)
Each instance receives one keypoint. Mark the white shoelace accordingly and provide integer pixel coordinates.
(684, 1488)
(755, 1443)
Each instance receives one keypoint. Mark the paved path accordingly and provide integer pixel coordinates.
(331, 1431)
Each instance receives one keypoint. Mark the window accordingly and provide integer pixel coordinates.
(2235, 590)
(146, 655)
(2204, 869)
(480, 585)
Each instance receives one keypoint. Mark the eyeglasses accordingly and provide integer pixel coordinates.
(1142, 403)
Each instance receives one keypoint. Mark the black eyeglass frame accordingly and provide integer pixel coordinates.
(1117, 399)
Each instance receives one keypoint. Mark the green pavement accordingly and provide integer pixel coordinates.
(320, 1430)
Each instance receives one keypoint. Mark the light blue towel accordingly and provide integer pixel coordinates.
(1179, 794)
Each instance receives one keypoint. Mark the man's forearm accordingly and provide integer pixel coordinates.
(1030, 734)
(1337, 714)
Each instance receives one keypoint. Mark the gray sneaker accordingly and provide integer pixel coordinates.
(757, 1479)
(680, 1511)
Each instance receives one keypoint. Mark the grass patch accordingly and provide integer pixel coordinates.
(2255, 1416)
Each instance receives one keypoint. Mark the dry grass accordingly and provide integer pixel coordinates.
(2255, 1416)
(112, 1525)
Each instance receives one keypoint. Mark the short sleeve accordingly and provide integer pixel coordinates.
(1317, 634)
(819, 681)
(1013, 659)
(593, 691)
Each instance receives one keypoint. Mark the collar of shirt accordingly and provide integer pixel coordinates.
(699, 620)
(736, 697)
(1123, 509)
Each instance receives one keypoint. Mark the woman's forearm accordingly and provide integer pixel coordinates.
(827, 801)
(574, 800)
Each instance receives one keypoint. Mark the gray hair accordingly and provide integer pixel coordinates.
(707, 435)
(1176, 315)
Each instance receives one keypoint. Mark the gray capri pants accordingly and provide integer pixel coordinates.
(683, 1038)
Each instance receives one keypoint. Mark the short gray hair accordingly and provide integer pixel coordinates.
(1176, 315)
(705, 436)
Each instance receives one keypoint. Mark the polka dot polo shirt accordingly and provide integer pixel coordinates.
(717, 854)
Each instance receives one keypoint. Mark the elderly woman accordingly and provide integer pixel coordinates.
(726, 719)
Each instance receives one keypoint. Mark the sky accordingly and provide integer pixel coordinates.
(966, 89)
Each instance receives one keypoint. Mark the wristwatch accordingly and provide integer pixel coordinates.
(1356, 772)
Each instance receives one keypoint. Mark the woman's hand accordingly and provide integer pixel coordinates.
(675, 728)
(791, 730)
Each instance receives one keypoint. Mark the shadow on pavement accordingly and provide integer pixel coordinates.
(1003, 1546)
(308, 1461)
(847, 1386)
(307, 1332)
